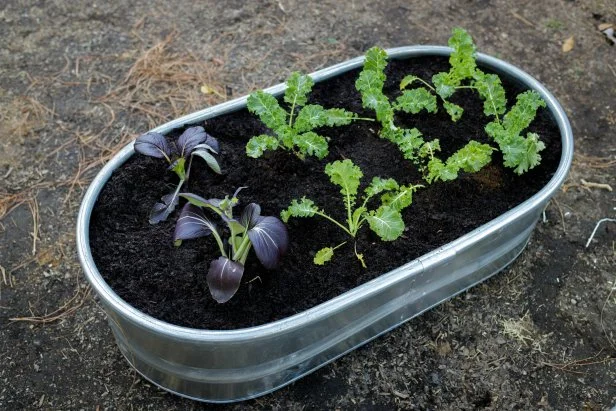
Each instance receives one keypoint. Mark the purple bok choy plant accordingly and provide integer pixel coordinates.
(267, 235)
(194, 141)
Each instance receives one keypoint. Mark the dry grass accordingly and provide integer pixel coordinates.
(585, 161)
(523, 330)
(22, 116)
(162, 84)
(69, 307)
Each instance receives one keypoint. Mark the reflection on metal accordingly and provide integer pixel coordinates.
(226, 366)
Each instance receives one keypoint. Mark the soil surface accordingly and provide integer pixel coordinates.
(79, 80)
(139, 261)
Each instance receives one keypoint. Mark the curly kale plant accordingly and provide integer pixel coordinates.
(293, 130)
(267, 235)
(385, 221)
(519, 153)
(194, 141)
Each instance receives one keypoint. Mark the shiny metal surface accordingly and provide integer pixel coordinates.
(227, 366)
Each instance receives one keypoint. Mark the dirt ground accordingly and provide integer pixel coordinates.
(80, 79)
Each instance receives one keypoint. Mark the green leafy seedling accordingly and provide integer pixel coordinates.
(293, 130)
(386, 220)
(519, 153)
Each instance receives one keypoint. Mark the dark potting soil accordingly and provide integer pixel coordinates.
(141, 264)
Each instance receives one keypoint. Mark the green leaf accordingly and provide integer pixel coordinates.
(453, 110)
(523, 153)
(492, 92)
(298, 87)
(400, 199)
(430, 148)
(519, 153)
(462, 59)
(310, 117)
(407, 81)
(257, 145)
(413, 101)
(303, 208)
(313, 116)
(267, 108)
(472, 157)
(387, 223)
(209, 159)
(286, 136)
(376, 60)
(523, 112)
(312, 144)
(378, 185)
(179, 168)
(338, 117)
(346, 175)
(444, 84)
(323, 255)
(437, 170)
(370, 81)
(409, 141)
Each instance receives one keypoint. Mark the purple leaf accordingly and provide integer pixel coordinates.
(270, 239)
(212, 142)
(153, 145)
(189, 139)
(250, 215)
(192, 223)
(223, 278)
(161, 211)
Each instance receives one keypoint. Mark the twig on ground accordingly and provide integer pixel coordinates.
(562, 215)
(68, 308)
(585, 362)
(34, 210)
(590, 184)
(603, 220)
(609, 338)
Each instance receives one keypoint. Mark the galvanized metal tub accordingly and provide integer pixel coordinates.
(227, 366)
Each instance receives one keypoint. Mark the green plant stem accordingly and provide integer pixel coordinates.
(346, 230)
(291, 114)
(220, 243)
(426, 83)
(242, 251)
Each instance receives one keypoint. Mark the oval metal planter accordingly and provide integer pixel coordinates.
(227, 366)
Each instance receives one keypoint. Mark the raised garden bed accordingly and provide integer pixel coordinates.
(153, 290)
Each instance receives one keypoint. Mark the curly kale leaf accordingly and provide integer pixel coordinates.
(519, 153)
(386, 222)
(491, 90)
(470, 158)
(302, 208)
(347, 176)
(266, 107)
(298, 88)
(313, 116)
(415, 100)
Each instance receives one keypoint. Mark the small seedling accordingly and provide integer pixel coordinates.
(194, 141)
(294, 132)
(267, 235)
(386, 220)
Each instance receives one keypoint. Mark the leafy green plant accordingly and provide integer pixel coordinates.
(267, 235)
(293, 130)
(386, 220)
(519, 153)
